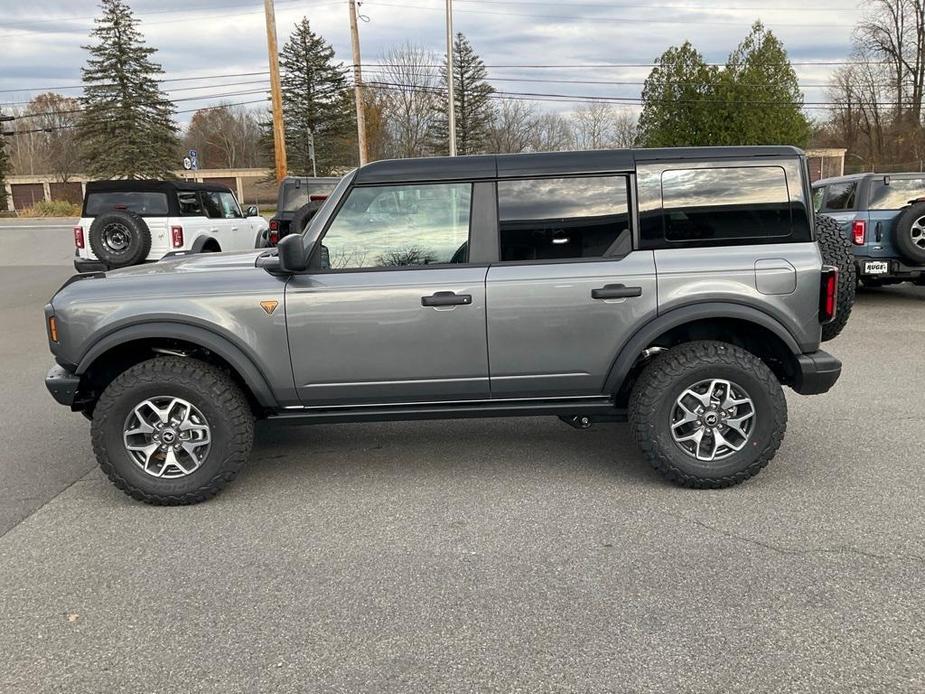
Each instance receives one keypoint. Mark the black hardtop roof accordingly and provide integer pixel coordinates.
(147, 186)
(868, 174)
(549, 163)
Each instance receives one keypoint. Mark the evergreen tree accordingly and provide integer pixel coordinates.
(677, 109)
(126, 129)
(472, 96)
(316, 102)
(4, 168)
(761, 95)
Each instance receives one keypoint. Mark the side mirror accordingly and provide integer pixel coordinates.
(293, 255)
(252, 211)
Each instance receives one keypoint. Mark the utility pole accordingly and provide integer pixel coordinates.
(358, 84)
(279, 132)
(450, 78)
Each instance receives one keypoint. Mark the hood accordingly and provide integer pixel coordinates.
(194, 262)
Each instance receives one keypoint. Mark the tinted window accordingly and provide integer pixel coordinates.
(221, 205)
(705, 205)
(544, 219)
(840, 196)
(189, 202)
(897, 194)
(145, 204)
(390, 226)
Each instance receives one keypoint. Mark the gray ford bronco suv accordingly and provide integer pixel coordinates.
(677, 288)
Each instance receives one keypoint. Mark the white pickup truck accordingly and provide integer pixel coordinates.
(126, 223)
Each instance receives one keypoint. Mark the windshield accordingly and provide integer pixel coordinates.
(297, 193)
(321, 215)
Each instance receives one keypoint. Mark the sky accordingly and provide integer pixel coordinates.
(199, 40)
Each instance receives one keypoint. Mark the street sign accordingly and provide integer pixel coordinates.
(193, 157)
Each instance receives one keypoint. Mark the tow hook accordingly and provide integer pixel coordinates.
(580, 421)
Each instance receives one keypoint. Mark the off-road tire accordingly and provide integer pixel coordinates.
(210, 390)
(136, 233)
(836, 250)
(668, 375)
(902, 233)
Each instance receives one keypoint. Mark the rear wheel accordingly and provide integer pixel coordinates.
(909, 233)
(172, 431)
(708, 414)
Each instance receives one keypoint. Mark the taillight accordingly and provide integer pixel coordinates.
(176, 236)
(273, 235)
(318, 197)
(79, 237)
(828, 294)
(858, 232)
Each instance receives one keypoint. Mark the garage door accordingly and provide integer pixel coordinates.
(69, 192)
(25, 195)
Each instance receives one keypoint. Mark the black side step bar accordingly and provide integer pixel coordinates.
(598, 407)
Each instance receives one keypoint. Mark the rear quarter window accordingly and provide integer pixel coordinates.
(895, 194)
(708, 206)
(145, 204)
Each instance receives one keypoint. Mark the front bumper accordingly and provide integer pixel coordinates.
(816, 373)
(62, 384)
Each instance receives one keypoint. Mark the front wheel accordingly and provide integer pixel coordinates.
(172, 430)
(708, 414)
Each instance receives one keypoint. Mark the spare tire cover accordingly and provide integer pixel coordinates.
(909, 233)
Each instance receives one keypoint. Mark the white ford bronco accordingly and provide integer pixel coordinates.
(127, 223)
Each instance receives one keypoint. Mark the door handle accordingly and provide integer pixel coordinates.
(446, 299)
(615, 291)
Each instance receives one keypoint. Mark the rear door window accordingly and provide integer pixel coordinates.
(145, 204)
(895, 194)
(562, 218)
(190, 203)
(840, 196)
(715, 205)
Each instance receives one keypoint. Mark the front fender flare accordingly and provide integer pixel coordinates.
(633, 347)
(196, 335)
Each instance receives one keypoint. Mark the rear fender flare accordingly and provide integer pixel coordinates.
(633, 348)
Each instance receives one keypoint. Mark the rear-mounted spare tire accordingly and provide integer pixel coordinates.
(120, 238)
(909, 233)
(837, 251)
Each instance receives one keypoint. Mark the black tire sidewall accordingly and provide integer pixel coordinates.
(111, 429)
(765, 424)
(139, 239)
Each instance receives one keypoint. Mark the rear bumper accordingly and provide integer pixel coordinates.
(89, 265)
(62, 384)
(816, 373)
(897, 269)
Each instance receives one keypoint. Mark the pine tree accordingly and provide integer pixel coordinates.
(677, 109)
(472, 96)
(126, 129)
(761, 95)
(4, 169)
(316, 102)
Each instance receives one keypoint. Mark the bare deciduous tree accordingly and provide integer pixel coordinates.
(513, 127)
(410, 87)
(552, 132)
(227, 137)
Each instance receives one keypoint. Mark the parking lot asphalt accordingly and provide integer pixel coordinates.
(514, 555)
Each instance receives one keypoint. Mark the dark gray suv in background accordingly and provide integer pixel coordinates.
(678, 288)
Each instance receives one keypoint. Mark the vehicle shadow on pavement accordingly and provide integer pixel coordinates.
(536, 446)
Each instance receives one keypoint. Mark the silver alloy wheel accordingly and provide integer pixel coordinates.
(116, 237)
(167, 437)
(712, 420)
(918, 232)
